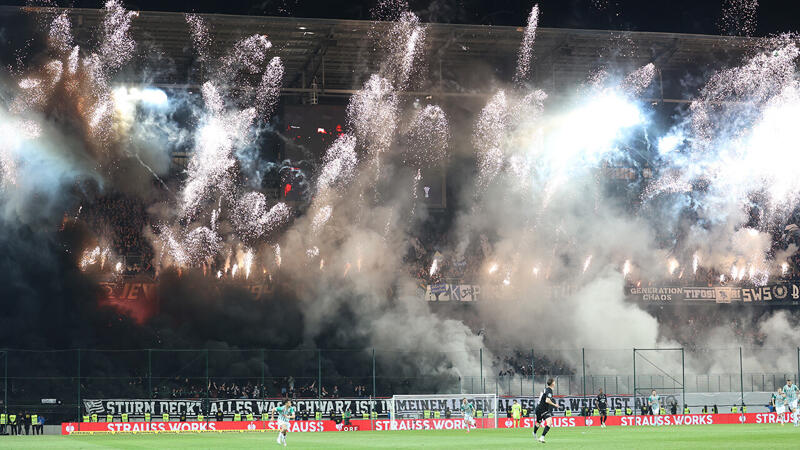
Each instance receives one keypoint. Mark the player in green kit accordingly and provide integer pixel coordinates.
(285, 413)
(468, 412)
(655, 406)
(516, 413)
(790, 390)
(779, 402)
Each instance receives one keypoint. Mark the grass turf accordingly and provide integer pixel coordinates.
(711, 436)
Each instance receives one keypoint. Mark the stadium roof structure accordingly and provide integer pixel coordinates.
(328, 57)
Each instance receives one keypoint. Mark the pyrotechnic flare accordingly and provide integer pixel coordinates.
(248, 262)
(672, 265)
(434, 266)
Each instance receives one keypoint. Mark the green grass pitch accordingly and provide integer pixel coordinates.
(706, 437)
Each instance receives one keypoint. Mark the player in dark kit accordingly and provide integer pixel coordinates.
(544, 410)
(602, 405)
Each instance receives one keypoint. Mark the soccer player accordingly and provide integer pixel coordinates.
(790, 390)
(516, 413)
(602, 405)
(779, 402)
(285, 414)
(468, 412)
(544, 410)
(655, 406)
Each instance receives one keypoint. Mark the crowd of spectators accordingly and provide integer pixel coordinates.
(284, 387)
(518, 363)
(122, 219)
(691, 326)
(435, 243)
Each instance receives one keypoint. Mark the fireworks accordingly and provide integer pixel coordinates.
(252, 218)
(736, 142)
(270, 88)
(404, 43)
(200, 35)
(60, 34)
(638, 81)
(372, 112)
(201, 244)
(321, 218)
(116, 44)
(488, 139)
(338, 166)
(526, 49)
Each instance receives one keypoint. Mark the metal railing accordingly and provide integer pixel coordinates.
(65, 378)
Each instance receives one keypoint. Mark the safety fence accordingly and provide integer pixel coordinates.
(56, 383)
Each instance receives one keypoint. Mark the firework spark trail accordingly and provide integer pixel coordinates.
(321, 218)
(338, 165)
(60, 34)
(427, 138)
(116, 44)
(270, 88)
(201, 38)
(488, 140)
(414, 188)
(372, 112)
(636, 82)
(201, 245)
(253, 219)
(247, 55)
(526, 49)
(405, 41)
(427, 142)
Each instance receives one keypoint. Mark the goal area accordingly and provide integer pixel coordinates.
(441, 411)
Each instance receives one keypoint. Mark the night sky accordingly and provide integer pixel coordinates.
(683, 16)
